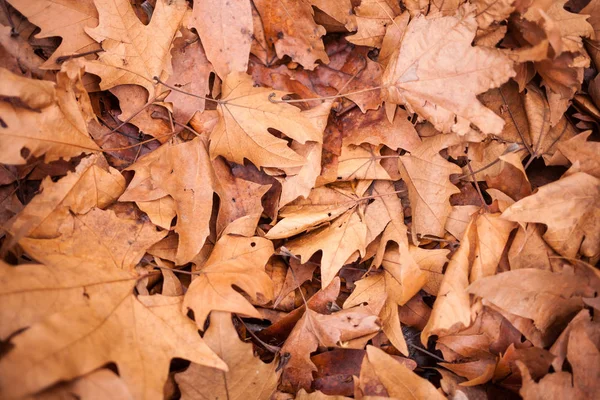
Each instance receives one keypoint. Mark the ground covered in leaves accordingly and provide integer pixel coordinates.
(312, 199)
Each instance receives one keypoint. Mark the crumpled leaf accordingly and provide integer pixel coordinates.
(438, 74)
(289, 25)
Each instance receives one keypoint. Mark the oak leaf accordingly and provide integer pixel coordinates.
(438, 74)
(49, 119)
(234, 260)
(98, 315)
(248, 377)
(245, 115)
(134, 53)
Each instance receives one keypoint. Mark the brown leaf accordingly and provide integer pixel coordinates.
(247, 375)
(289, 25)
(399, 381)
(240, 134)
(436, 53)
(102, 382)
(49, 119)
(372, 17)
(98, 315)
(134, 53)
(235, 261)
(226, 33)
(570, 209)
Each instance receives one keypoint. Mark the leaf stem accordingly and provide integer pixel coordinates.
(337, 96)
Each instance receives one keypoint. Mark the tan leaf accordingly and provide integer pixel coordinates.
(190, 184)
(452, 307)
(492, 234)
(427, 175)
(399, 381)
(99, 237)
(290, 26)
(100, 383)
(545, 297)
(346, 235)
(134, 53)
(191, 73)
(393, 37)
(98, 315)
(582, 153)
(67, 19)
(226, 33)
(432, 264)
(92, 184)
(238, 261)
(490, 11)
(572, 27)
(246, 114)
(570, 208)
(50, 121)
(436, 54)
(315, 329)
(340, 10)
(372, 17)
(248, 377)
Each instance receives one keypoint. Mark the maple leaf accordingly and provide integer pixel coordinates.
(48, 119)
(134, 53)
(101, 382)
(315, 329)
(226, 33)
(372, 17)
(235, 261)
(93, 184)
(290, 27)
(427, 174)
(247, 374)
(437, 73)
(190, 185)
(67, 19)
(98, 238)
(95, 314)
(246, 114)
(570, 208)
(191, 73)
(399, 381)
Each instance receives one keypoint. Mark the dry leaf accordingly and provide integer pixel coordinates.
(247, 375)
(235, 261)
(241, 134)
(437, 73)
(95, 314)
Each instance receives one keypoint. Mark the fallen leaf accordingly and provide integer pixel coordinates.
(235, 261)
(92, 315)
(51, 119)
(570, 209)
(436, 54)
(290, 27)
(134, 53)
(399, 381)
(246, 372)
(240, 134)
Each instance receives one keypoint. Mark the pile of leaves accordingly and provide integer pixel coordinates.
(304, 199)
